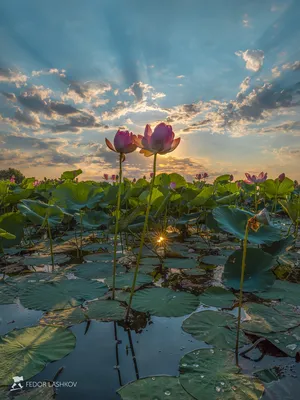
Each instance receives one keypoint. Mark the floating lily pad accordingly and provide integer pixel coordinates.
(215, 328)
(68, 317)
(126, 280)
(233, 220)
(214, 260)
(282, 290)
(8, 292)
(164, 302)
(99, 257)
(194, 272)
(25, 352)
(212, 374)
(181, 263)
(106, 310)
(155, 387)
(61, 295)
(217, 297)
(266, 319)
(257, 273)
(95, 270)
(288, 342)
(46, 259)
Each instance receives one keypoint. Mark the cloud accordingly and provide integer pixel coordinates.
(295, 66)
(51, 71)
(142, 91)
(89, 92)
(244, 86)
(254, 59)
(180, 76)
(275, 72)
(26, 118)
(9, 76)
(10, 96)
(77, 123)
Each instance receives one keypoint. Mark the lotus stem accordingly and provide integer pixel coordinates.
(241, 292)
(51, 245)
(118, 211)
(255, 198)
(142, 238)
(81, 231)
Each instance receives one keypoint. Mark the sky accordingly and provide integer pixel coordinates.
(224, 74)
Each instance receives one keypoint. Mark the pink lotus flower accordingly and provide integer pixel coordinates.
(123, 142)
(144, 177)
(281, 177)
(36, 183)
(262, 177)
(173, 185)
(161, 141)
(113, 177)
(151, 175)
(134, 180)
(231, 178)
(239, 184)
(203, 175)
(105, 176)
(12, 179)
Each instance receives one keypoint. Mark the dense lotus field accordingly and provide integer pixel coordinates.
(216, 267)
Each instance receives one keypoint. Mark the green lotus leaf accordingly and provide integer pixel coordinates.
(25, 352)
(155, 387)
(50, 296)
(76, 196)
(125, 280)
(217, 297)
(164, 302)
(106, 310)
(258, 274)
(13, 223)
(292, 208)
(95, 270)
(38, 212)
(212, 374)
(6, 235)
(275, 188)
(68, 317)
(214, 260)
(279, 247)
(178, 179)
(189, 219)
(267, 319)
(71, 174)
(215, 328)
(203, 197)
(181, 263)
(17, 195)
(8, 292)
(234, 220)
(93, 219)
(99, 257)
(45, 259)
(282, 290)
(288, 342)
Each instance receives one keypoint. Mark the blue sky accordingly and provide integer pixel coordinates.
(224, 74)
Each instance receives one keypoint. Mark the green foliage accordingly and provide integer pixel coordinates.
(6, 174)
(70, 175)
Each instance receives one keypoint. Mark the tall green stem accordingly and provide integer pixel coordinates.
(142, 237)
(81, 232)
(241, 292)
(255, 198)
(118, 212)
(51, 245)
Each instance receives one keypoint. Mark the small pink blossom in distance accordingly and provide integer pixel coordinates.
(281, 177)
(160, 141)
(113, 177)
(151, 175)
(36, 183)
(239, 184)
(105, 176)
(262, 177)
(123, 142)
(173, 185)
(134, 180)
(203, 175)
(231, 178)
(12, 179)
(144, 177)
